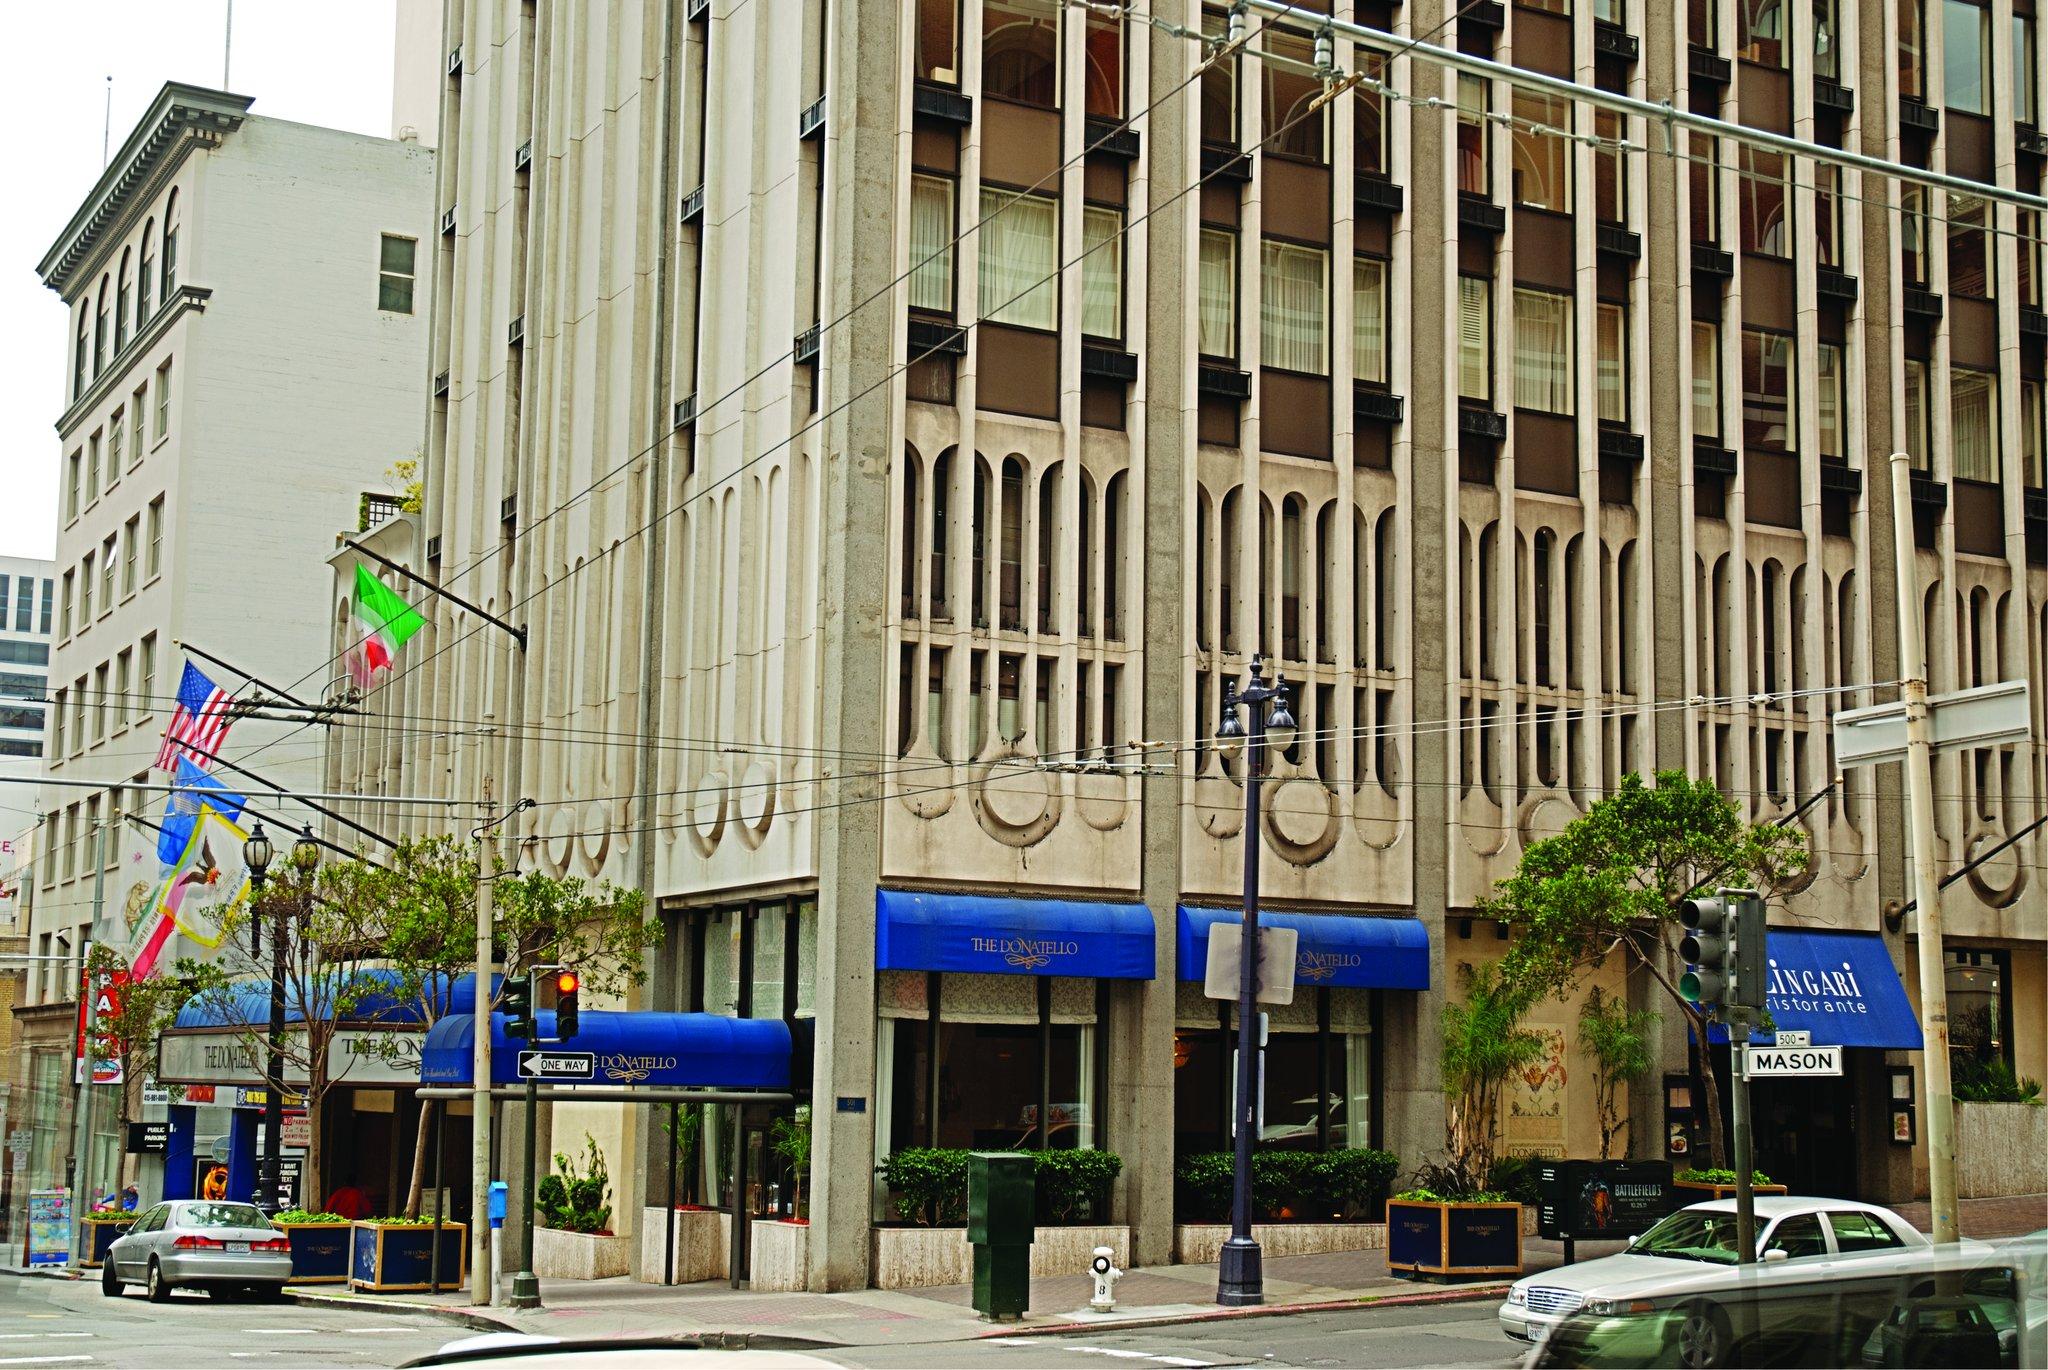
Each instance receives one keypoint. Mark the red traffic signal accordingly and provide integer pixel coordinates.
(567, 982)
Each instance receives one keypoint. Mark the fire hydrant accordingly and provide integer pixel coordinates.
(1106, 1276)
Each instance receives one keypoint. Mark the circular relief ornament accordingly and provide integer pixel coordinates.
(1014, 801)
(1301, 820)
(2000, 881)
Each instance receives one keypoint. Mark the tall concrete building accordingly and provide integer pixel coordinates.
(247, 337)
(863, 405)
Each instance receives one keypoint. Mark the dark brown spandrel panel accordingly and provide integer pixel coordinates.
(1980, 517)
(1973, 332)
(1918, 340)
(1543, 249)
(1373, 232)
(1102, 403)
(1613, 279)
(1018, 371)
(1543, 42)
(1766, 97)
(1020, 145)
(1104, 180)
(1770, 488)
(1376, 14)
(935, 147)
(1546, 453)
(1834, 323)
(1294, 414)
(1967, 144)
(1476, 254)
(1373, 446)
(1217, 421)
(1221, 203)
(2033, 362)
(1296, 201)
(1617, 482)
(1835, 513)
(1710, 499)
(1768, 298)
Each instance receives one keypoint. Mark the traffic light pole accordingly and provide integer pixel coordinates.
(1738, 1117)
(526, 1284)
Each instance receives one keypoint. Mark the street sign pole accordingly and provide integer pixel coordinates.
(1738, 1115)
(525, 1284)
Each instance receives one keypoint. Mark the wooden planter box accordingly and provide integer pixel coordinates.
(319, 1251)
(100, 1231)
(559, 1255)
(1202, 1243)
(1454, 1239)
(925, 1257)
(1686, 1192)
(386, 1258)
(703, 1244)
(779, 1256)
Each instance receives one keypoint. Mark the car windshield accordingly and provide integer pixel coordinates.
(1691, 1235)
(222, 1215)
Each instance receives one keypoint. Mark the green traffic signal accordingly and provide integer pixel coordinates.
(515, 1000)
(1707, 949)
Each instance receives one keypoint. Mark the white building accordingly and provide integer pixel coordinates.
(245, 364)
(27, 609)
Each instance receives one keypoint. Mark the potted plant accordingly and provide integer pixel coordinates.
(779, 1249)
(396, 1254)
(1450, 1223)
(319, 1244)
(1304, 1202)
(1718, 1182)
(701, 1235)
(2001, 1126)
(102, 1226)
(572, 1235)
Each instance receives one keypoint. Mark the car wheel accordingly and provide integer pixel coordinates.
(110, 1280)
(1703, 1338)
(159, 1287)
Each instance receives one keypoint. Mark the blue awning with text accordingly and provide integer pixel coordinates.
(1351, 951)
(1839, 986)
(937, 930)
(674, 1050)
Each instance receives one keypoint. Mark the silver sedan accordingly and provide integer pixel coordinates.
(224, 1248)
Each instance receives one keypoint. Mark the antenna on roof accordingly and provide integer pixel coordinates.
(107, 128)
(227, 47)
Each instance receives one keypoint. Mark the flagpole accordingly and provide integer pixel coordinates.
(278, 789)
(429, 586)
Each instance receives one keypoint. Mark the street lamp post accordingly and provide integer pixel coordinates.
(257, 854)
(1240, 1277)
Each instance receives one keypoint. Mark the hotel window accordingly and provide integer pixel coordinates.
(1369, 119)
(1827, 212)
(1610, 169)
(1219, 86)
(1294, 315)
(1475, 339)
(1473, 163)
(57, 724)
(1019, 258)
(64, 606)
(1706, 380)
(144, 275)
(99, 331)
(1543, 351)
(75, 472)
(1611, 375)
(1973, 424)
(1913, 233)
(170, 271)
(395, 263)
(938, 41)
(2029, 254)
(109, 566)
(1827, 40)
(163, 399)
(1767, 391)
(83, 355)
(123, 706)
(1547, 6)
(2033, 442)
(99, 702)
(1969, 247)
(85, 584)
(1913, 49)
(92, 468)
(1760, 32)
(2023, 68)
(156, 538)
(121, 293)
(1295, 123)
(1610, 12)
(1704, 182)
(1105, 43)
(1764, 203)
(1834, 441)
(130, 551)
(1369, 320)
(1020, 51)
(1102, 272)
(1965, 56)
(1217, 324)
(1542, 161)
(1913, 411)
(137, 408)
(931, 244)
(1702, 27)
(116, 431)
(145, 676)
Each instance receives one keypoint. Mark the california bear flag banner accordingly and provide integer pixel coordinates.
(384, 621)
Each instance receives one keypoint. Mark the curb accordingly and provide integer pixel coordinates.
(42, 1272)
(471, 1318)
(1472, 1295)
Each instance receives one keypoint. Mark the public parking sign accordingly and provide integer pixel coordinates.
(1765, 1061)
(557, 1065)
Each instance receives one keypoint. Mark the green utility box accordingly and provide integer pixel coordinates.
(1002, 1201)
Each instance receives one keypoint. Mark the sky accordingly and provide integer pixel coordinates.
(311, 63)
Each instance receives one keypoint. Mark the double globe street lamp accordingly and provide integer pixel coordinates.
(1240, 1277)
(257, 854)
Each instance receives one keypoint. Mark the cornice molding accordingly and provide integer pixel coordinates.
(181, 117)
(192, 297)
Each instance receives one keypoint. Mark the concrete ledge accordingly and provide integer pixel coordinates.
(1202, 1243)
(477, 1319)
(703, 1245)
(926, 1257)
(559, 1255)
(780, 1259)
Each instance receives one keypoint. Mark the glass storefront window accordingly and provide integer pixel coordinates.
(1323, 1028)
(1980, 1018)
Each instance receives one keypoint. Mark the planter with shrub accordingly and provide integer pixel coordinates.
(1700, 1184)
(100, 1231)
(929, 1247)
(572, 1238)
(2001, 1131)
(1303, 1202)
(779, 1255)
(319, 1245)
(392, 1255)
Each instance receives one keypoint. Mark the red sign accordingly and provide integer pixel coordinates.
(105, 1003)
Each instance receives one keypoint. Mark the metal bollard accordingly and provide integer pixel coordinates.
(1106, 1276)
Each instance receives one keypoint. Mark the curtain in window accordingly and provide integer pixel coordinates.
(1218, 303)
(1102, 272)
(1612, 375)
(1475, 345)
(1830, 401)
(1019, 253)
(1973, 430)
(931, 244)
(1293, 324)
(1369, 319)
(1543, 352)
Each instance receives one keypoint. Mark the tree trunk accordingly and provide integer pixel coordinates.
(419, 1161)
(1710, 1093)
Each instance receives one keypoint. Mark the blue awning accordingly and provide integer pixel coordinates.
(933, 930)
(374, 996)
(1354, 951)
(685, 1050)
(1839, 986)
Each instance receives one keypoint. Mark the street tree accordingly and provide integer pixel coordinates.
(132, 1019)
(1617, 1037)
(1612, 882)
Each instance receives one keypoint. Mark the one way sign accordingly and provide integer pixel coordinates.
(557, 1065)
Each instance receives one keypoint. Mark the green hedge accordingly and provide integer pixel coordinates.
(1349, 1183)
(930, 1185)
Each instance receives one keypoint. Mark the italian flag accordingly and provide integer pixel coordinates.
(383, 623)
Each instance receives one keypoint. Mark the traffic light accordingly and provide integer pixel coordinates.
(1751, 978)
(1707, 949)
(567, 982)
(515, 1000)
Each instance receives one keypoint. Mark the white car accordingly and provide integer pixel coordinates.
(1704, 1235)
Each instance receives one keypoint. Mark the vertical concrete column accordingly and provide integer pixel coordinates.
(1139, 1094)
(1413, 1092)
(862, 433)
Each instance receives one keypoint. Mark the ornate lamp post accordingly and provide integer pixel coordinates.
(1240, 1276)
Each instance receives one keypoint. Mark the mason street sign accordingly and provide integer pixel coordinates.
(1767, 1061)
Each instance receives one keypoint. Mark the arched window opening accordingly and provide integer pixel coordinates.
(170, 271)
(1113, 557)
(1205, 566)
(1489, 551)
(909, 529)
(1386, 604)
(144, 277)
(99, 329)
(122, 290)
(1625, 618)
(1326, 579)
(1363, 595)
(1086, 589)
(1011, 603)
(1539, 592)
(1574, 587)
(1228, 566)
(1291, 557)
(1048, 547)
(941, 529)
(979, 539)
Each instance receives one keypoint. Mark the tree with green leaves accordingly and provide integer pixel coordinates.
(130, 1029)
(1612, 881)
(1484, 1045)
(1618, 1039)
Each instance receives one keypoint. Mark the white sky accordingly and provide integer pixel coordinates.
(313, 63)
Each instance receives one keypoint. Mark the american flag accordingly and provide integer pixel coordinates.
(200, 720)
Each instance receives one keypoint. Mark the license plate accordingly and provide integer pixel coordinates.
(239, 1246)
